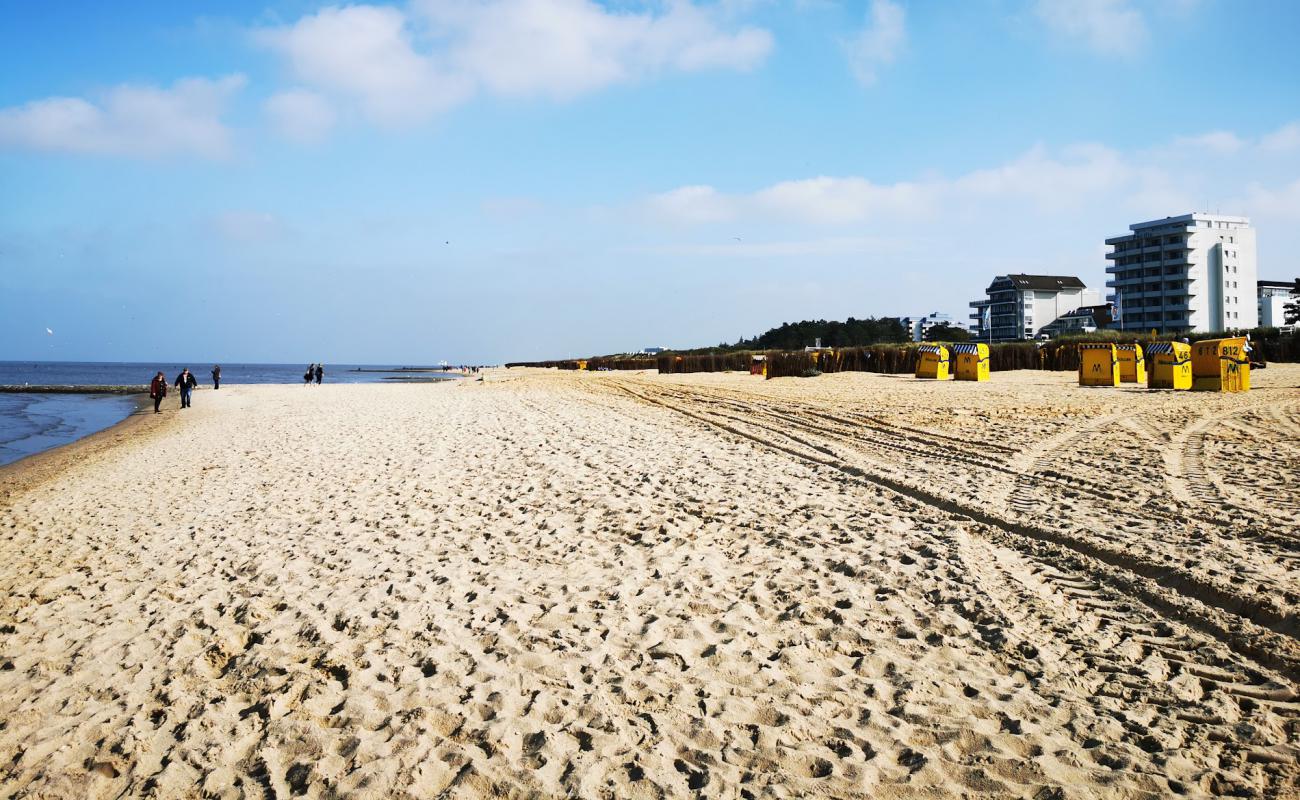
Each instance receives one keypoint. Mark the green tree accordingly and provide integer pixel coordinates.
(943, 332)
(1292, 309)
(849, 333)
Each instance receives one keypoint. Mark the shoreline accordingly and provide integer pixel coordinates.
(32, 470)
(59, 388)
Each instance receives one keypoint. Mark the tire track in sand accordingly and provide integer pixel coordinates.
(1249, 629)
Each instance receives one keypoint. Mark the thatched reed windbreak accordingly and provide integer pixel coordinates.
(591, 364)
(1281, 348)
(710, 362)
(1269, 344)
(566, 364)
(621, 363)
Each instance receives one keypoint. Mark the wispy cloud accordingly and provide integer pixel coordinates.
(1109, 27)
(403, 66)
(741, 249)
(300, 115)
(1282, 202)
(1283, 140)
(128, 120)
(1223, 142)
(1056, 203)
(1038, 176)
(879, 42)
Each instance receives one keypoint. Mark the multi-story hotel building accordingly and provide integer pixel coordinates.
(1019, 306)
(918, 327)
(1273, 298)
(1195, 272)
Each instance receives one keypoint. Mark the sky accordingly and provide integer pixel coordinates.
(529, 179)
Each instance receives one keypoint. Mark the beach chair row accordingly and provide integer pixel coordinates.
(965, 362)
(1213, 365)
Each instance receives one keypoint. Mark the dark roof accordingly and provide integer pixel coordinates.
(1046, 282)
(1084, 311)
(1277, 284)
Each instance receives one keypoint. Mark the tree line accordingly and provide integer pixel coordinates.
(849, 333)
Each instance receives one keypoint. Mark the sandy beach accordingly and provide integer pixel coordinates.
(611, 585)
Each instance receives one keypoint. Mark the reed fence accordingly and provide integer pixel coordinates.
(616, 363)
(1269, 344)
(711, 362)
(565, 364)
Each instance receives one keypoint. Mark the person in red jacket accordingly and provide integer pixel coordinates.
(158, 390)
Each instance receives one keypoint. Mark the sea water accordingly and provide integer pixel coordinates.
(117, 373)
(31, 423)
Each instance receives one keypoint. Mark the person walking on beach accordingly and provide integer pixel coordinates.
(216, 377)
(158, 390)
(186, 383)
(308, 375)
(320, 373)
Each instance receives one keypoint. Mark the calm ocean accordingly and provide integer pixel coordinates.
(31, 423)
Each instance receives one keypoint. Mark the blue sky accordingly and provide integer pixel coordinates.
(519, 179)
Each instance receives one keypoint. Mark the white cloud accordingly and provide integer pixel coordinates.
(1083, 169)
(137, 121)
(1223, 142)
(1283, 140)
(832, 246)
(693, 204)
(1283, 202)
(1110, 27)
(563, 48)
(402, 67)
(366, 53)
(1079, 174)
(879, 43)
(300, 115)
(824, 200)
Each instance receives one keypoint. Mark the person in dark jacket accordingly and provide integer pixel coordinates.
(320, 373)
(186, 383)
(308, 375)
(158, 390)
(216, 377)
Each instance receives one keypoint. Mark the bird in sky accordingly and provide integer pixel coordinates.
(737, 238)
(49, 332)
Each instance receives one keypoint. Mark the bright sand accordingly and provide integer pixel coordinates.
(612, 585)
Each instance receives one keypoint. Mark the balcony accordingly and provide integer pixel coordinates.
(1133, 280)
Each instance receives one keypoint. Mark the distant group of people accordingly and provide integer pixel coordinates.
(185, 382)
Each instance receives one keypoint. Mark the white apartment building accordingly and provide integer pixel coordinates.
(1195, 272)
(1017, 307)
(917, 327)
(1084, 319)
(1272, 296)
